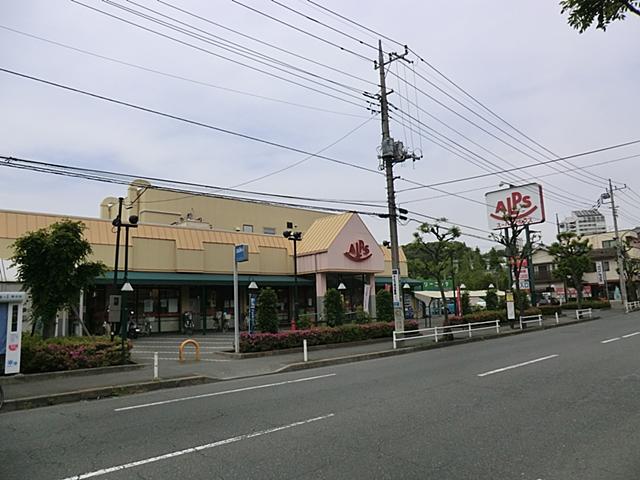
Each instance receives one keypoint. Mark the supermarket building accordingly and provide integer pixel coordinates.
(181, 257)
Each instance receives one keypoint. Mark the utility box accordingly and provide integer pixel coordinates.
(11, 329)
(115, 305)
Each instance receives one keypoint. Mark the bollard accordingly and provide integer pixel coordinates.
(557, 319)
(155, 365)
(394, 341)
(497, 326)
(304, 349)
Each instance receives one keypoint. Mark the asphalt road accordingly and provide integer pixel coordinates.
(557, 404)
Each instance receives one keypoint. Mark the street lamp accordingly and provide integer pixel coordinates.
(295, 237)
(342, 287)
(253, 288)
(491, 286)
(126, 287)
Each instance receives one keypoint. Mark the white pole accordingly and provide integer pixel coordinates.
(540, 319)
(155, 365)
(469, 330)
(236, 318)
(520, 323)
(394, 340)
(304, 349)
(435, 331)
(557, 318)
(497, 326)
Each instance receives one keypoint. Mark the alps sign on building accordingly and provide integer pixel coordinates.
(524, 204)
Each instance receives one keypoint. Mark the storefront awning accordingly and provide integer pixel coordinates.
(174, 278)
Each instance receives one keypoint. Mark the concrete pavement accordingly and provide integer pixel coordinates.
(553, 404)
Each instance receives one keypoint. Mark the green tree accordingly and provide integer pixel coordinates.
(53, 267)
(582, 13)
(384, 306)
(571, 259)
(266, 311)
(491, 299)
(465, 303)
(333, 307)
(631, 268)
(433, 259)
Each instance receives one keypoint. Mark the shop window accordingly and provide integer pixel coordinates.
(247, 228)
(269, 230)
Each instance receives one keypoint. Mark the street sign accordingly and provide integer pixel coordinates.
(242, 253)
(524, 204)
(511, 309)
(600, 273)
(395, 287)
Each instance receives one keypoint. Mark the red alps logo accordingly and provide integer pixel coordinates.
(515, 206)
(358, 251)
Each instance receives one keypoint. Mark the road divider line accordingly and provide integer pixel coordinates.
(225, 392)
(631, 335)
(510, 367)
(198, 448)
(610, 340)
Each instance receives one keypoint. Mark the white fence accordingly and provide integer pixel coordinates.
(584, 313)
(632, 306)
(438, 332)
(530, 319)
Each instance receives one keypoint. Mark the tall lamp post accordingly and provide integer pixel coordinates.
(126, 287)
(295, 237)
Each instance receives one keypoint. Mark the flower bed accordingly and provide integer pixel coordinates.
(262, 342)
(488, 316)
(70, 353)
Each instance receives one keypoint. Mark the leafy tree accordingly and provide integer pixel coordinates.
(384, 306)
(491, 299)
(333, 307)
(631, 267)
(465, 303)
(267, 311)
(571, 259)
(433, 259)
(582, 13)
(52, 265)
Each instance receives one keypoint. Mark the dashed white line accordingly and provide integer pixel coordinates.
(510, 367)
(631, 335)
(198, 448)
(225, 392)
(610, 340)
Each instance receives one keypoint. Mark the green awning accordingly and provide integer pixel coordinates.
(174, 278)
(415, 284)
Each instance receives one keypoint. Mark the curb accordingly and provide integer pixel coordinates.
(102, 392)
(36, 377)
(404, 350)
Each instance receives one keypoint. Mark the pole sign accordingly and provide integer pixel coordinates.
(524, 204)
(395, 287)
(511, 308)
(11, 329)
(252, 312)
(600, 273)
(241, 253)
(367, 295)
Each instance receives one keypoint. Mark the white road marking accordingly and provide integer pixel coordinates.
(225, 392)
(610, 340)
(199, 448)
(631, 335)
(188, 359)
(517, 365)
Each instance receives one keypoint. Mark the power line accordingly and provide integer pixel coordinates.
(178, 77)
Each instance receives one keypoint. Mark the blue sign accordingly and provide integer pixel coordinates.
(252, 312)
(242, 253)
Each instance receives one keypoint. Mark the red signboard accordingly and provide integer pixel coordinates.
(358, 251)
(521, 204)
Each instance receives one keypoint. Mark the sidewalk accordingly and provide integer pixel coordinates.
(215, 366)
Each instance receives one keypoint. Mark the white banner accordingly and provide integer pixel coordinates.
(395, 288)
(365, 300)
(600, 273)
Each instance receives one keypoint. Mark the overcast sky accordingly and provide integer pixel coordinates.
(569, 92)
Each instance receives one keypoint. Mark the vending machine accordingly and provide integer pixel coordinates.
(11, 329)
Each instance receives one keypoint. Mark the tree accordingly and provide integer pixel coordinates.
(491, 299)
(267, 311)
(631, 268)
(582, 13)
(433, 259)
(465, 302)
(333, 307)
(52, 265)
(384, 306)
(571, 259)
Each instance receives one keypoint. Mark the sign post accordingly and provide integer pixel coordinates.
(395, 290)
(240, 254)
(11, 329)
(511, 308)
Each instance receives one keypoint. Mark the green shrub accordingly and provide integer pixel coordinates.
(550, 309)
(333, 308)
(262, 342)
(384, 306)
(70, 353)
(492, 300)
(362, 316)
(587, 304)
(266, 311)
(521, 296)
(465, 303)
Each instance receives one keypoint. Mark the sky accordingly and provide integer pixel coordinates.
(569, 92)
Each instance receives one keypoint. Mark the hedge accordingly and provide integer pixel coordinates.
(550, 309)
(489, 315)
(263, 342)
(587, 304)
(70, 353)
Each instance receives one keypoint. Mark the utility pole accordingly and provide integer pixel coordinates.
(623, 282)
(391, 152)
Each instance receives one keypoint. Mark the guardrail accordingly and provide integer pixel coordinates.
(584, 313)
(632, 306)
(439, 332)
(530, 319)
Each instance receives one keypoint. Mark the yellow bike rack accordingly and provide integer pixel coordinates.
(189, 341)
